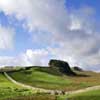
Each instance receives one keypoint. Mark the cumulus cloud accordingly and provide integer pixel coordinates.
(5, 61)
(50, 23)
(6, 37)
(46, 15)
(34, 57)
(28, 58)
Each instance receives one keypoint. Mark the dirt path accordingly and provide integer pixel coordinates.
(26, 86)
(83, 90)
(50, 91)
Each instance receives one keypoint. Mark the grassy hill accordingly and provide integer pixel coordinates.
(58, 76)
(40, 78)
(90, 95)
(50, 78)
(10, 90)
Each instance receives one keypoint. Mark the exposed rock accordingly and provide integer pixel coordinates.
(77, 68)
(62, 66)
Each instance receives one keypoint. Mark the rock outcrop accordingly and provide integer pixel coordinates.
(78, 69)
(62, 66)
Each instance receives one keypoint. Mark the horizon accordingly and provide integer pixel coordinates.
(33, 31)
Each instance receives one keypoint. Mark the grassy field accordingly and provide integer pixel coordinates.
(51, 79)
(91, 95)
(41, 79)
(36, 97)
(10, 90)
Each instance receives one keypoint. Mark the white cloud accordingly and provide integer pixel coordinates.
(35, 57)
(28, 58)
(6, 37)
(46, 15)
(76, 24)
(50, 23)
(4, 61)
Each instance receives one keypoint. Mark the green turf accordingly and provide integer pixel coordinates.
(10, 90)
(49, 78)
(37, 97)
(38, 78)
(90, 95)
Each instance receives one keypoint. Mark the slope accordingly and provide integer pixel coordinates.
(10, 90)
(51, 79)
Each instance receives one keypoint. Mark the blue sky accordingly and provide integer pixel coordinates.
(76, 4)
(33, 31)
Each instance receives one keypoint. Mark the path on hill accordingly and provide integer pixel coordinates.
(26, 86)
(83, 90)
(50, 91)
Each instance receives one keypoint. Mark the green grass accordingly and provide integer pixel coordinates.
(37, 97)
(41, 79)
(49, 78)
(90, 95)
(10, 90)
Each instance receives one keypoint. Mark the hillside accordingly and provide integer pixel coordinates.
(38, 78)
(90, 95)
(57, 76)
(10, 90)
(51, 78)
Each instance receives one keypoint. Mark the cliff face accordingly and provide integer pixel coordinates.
(62, 66)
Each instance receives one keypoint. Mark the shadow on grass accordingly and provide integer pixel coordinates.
(85, 98)
(82, 75)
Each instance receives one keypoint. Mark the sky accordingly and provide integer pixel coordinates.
(34, 31)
